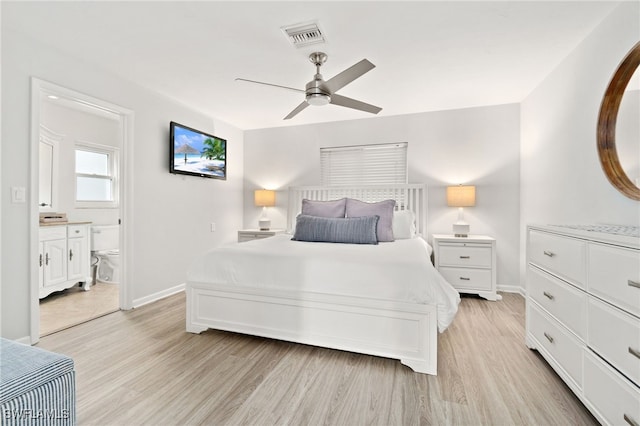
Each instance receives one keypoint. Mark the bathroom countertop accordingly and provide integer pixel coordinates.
(63, 223)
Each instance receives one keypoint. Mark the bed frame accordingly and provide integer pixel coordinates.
(398, 330)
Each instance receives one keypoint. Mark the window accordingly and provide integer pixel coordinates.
(96, 175)
(364, 165)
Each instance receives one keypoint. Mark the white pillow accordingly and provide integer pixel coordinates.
(404, 225)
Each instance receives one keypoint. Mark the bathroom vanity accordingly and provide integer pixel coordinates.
(64, 257)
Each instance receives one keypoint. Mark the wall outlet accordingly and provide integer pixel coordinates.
(213, 227)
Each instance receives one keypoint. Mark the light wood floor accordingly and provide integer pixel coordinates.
(74, 306)
(141, 367)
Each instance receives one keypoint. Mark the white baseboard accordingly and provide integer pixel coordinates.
(512, 289)
(24, 340)
(159, 295)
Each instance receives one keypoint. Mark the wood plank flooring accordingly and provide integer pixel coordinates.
(140, 367)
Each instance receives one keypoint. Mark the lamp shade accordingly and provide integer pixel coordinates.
(264, 198)
(461, 196)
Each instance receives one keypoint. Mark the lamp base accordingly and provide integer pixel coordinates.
(264, 224)
(461, 230)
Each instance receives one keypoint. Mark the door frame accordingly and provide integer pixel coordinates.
(41, 88)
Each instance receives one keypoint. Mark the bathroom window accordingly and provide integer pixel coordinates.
(96, 175)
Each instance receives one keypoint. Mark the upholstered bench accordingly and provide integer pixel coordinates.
(37, 387)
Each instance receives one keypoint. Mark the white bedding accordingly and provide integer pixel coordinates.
(399, 270)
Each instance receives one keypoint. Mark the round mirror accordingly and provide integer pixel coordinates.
(613, 122)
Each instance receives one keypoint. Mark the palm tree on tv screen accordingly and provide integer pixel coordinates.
(213, 149)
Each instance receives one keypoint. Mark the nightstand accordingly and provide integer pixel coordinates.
(256, 234)
(467, 263)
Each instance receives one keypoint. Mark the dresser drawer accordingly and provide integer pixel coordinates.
(562, 256)
(615, 399)
(76, 231)
(564, 347)
(615, 335)
(563, 301)
(467, 278)
(465, 254)
(614, 275)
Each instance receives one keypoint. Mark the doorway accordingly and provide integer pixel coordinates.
(91, 132)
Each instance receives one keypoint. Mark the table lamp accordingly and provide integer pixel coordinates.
(264, 198)
(461, 196)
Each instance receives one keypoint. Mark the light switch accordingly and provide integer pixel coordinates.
(18, 194)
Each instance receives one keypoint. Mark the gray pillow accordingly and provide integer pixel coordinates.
(358, 230)
(333, 208)
(384, 209)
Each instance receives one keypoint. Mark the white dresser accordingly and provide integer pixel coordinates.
(583, 314)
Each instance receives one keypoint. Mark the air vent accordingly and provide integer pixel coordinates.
(301, 35)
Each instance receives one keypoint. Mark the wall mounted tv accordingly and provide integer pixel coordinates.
(197, 153)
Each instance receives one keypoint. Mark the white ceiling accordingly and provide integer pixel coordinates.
(428, 55)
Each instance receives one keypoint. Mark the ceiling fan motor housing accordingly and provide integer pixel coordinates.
(316, 92)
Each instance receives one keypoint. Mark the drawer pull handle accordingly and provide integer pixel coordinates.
(465, 279)
(548, 295)
(549, 253)
(634, 352)
(549, 338)
(628, 419)
(632, 283)
(465, 257)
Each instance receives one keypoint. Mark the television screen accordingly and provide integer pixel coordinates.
(197, 153)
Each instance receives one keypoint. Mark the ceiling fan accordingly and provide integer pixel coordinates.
(319, 92)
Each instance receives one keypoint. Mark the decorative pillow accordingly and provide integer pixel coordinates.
(358, 230)
(404, 225)
(384, 209)
(333, 208)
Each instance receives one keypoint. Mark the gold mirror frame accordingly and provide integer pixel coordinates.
(607, 125)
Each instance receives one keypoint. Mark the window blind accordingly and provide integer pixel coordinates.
(379, 164)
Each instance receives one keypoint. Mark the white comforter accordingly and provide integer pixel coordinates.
(399, 270)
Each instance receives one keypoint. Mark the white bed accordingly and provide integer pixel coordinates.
(385, 299)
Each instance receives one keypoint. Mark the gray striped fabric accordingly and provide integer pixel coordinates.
(37, 387)
(355, 230)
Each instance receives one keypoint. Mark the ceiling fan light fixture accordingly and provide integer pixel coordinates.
(318, 99)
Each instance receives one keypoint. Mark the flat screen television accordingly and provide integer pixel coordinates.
(197, 153)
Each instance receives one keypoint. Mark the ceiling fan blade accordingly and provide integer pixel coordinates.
(352, 103)
(299, 108)
(347, 76)
(270, 84)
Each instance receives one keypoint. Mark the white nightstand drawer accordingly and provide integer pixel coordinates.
(257, 234)
(563, 256)
(467, 278)
(565, 348)
(613, 396)
(465, 254)
(563, 301)
(615, 335)
(614, 275)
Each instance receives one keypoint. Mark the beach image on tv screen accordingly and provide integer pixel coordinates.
(196, 152)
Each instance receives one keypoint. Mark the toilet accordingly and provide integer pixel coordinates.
(104, 249)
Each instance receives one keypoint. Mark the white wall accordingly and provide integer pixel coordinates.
(477, 146)
(171, 213)
(78, 126)
(561, 177)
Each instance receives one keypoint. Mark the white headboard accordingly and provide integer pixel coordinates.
(408, 197)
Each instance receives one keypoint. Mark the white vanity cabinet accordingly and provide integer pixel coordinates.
(64, 257)
(583, 314)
